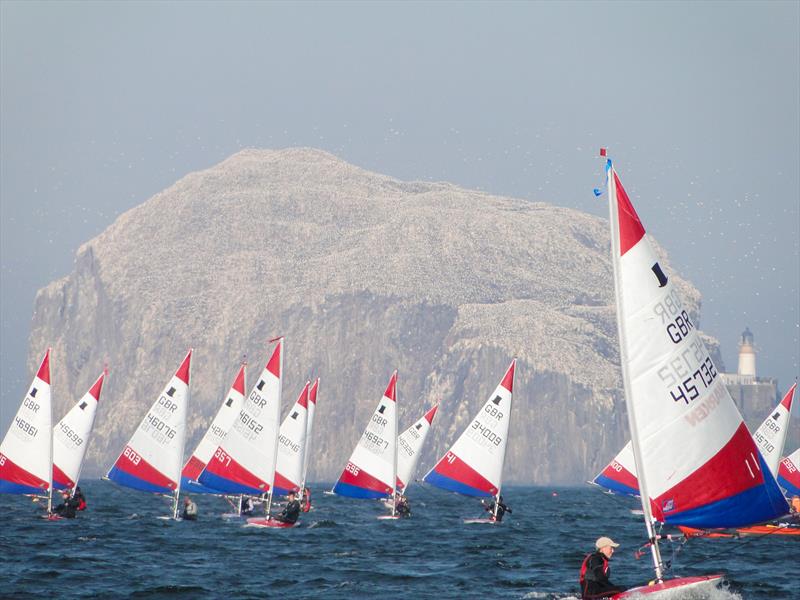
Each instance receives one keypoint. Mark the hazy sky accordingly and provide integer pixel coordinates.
(105, 104)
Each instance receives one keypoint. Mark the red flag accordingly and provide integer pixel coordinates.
(602, 152)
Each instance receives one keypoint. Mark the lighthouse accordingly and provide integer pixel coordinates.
(747, 355)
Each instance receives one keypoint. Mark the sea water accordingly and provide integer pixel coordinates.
(120, 548)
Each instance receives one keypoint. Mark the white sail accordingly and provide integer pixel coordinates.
(26, 450)
(409, 446)
(292, 446)
(71, 437)
(771, 436)
(214, 436)
(151, 461)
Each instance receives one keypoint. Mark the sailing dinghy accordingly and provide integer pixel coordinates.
(409, 445)
(292, 446)
(151, 461)
(789, 473)
(213, 438)
(696, 462)
(474, 464)
(619, 476)
(26, 450)
(244, 463)
(71, 437)
(371, 472)
(312, 407)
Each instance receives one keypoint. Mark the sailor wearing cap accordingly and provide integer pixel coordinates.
(596, 572)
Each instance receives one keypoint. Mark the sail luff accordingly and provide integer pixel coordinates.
(277, 429)
(631, 410)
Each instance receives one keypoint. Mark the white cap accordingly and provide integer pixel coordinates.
(605, 541)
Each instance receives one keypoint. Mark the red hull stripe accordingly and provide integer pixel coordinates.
(143, 470)
(15, 474)
(233, 471)
(365, 480)
(194, 466)
(508, 380)
(703, 486)
(631, 229)
(60, 479)
(463, 473)
(44, 368)
(238, 384)
(274, 364)
(98, 387)
(183, 371)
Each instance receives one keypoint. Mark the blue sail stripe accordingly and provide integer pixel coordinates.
(615, 486)
(119, 476)
(352, 491)
(450, 484)
(227, 486)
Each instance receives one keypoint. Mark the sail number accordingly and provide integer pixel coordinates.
(763, 442)
(285, 441)
(31, 404)
(405, 446)
(248, 426)
(159, 430)
(687, 390)
(26, 427)
(376, 440)
(485, 432)
(70, 435)
(131, 455)
(352, 469)
(222, 457)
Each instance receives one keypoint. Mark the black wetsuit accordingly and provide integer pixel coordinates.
(190, 512)
(501, 510)
(403, 509)
(595, 580)
(290, 513)
(67, 508)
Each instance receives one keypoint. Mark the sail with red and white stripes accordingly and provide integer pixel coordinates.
(151, 461)
(244, 463)
(371, 471)
(619, 476)
(696, 461)
(312, 407)
(409, 446)
(214, 436)
(71, 437)
(292, 446)
(25, 453)
(789, 473)
(474, 464)
(771, 436)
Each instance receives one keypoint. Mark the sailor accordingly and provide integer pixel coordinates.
(78, 495)
(402, 508)
(291, 512)
(67, 507)
(189, 509)
(795, 505)
(595, 571)
(247, 505)
(305, 500)
(501, 509)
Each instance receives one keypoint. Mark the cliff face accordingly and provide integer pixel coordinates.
(363, 274)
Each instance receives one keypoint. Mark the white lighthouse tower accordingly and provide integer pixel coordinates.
(747, 356)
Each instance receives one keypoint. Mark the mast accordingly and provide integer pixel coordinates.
(394, 458)
(183, 440)
(278, 422)
(50, 470)
(308, 435)
(632, 424)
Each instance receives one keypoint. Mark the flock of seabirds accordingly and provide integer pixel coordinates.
(251, 457)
